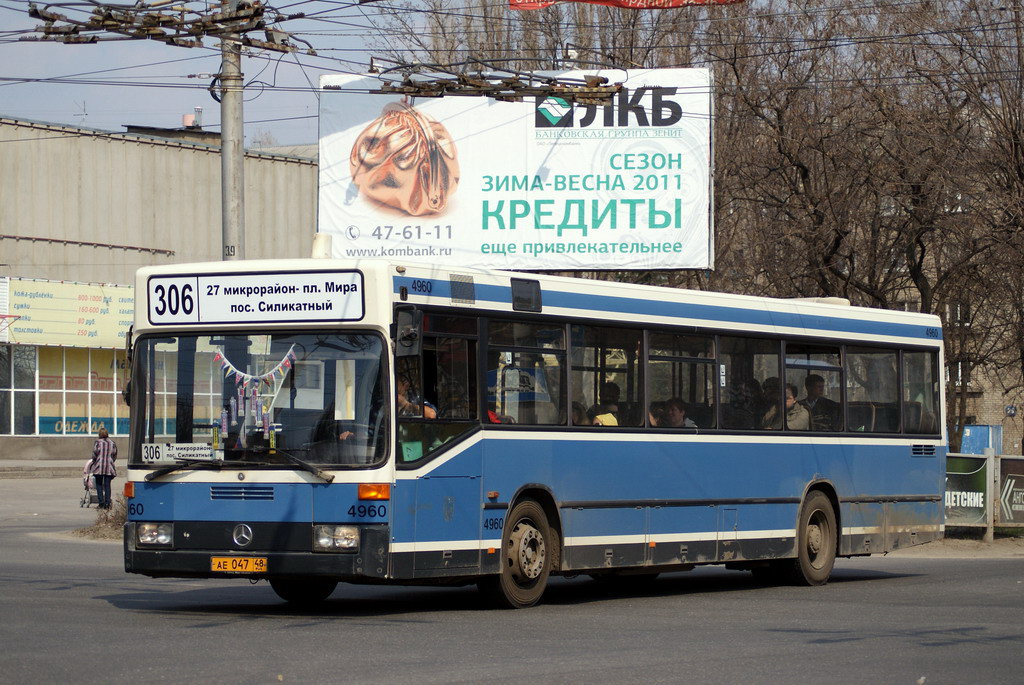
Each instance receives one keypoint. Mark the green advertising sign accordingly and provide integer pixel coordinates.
(965, 490)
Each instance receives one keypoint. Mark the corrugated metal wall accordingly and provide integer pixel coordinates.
(84, 205)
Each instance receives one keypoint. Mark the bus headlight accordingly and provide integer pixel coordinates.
(154, 533)
(335, 538)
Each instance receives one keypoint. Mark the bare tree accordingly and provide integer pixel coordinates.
(869, 152)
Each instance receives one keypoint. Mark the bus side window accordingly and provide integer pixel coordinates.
(606, 375)
(525, 373)
(681, 368)
(436, 392)
(817, 372)
(751, 393)
(920, 392)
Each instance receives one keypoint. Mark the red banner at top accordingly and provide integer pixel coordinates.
(627, 4)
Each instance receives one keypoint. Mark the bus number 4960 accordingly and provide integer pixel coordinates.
(368, 511)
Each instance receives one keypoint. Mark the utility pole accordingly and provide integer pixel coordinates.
(186, 24)
(232, 148)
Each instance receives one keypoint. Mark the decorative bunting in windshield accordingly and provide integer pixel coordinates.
(243, 379)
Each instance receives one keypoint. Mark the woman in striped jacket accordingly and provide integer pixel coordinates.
(104, 454)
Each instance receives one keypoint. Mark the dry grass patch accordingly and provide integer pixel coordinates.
(109, 523)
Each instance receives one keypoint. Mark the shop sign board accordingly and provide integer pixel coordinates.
(69, 314)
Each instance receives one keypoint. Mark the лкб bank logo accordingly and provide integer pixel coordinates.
(552, 112)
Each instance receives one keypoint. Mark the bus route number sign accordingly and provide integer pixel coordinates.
(256, 298)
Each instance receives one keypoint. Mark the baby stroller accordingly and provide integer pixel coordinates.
(90, 496)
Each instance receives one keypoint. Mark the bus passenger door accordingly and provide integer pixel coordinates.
(447, 520)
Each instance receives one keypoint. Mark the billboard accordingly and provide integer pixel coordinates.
(539, 184)
(1011, 491)
(966, 483)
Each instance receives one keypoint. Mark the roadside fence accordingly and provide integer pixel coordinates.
(985, 491)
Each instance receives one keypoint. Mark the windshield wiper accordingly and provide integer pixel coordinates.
(305, 465)
(183, 463)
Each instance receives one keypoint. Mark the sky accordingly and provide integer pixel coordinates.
(148, 83)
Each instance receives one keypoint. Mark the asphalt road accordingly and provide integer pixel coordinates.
(69, 613)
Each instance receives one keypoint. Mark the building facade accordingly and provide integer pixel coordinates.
(80, 211)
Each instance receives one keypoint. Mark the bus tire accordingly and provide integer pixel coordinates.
(304, 591)
(816, 540)
(527, 550)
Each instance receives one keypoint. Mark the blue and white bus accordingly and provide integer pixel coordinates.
(311, 422)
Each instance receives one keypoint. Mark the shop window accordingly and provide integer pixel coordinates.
(17, 390)
(101, 371)
(24, 413)
(76, 369)
(51, 368)
(5, 412)
(123, 415)
(101, 412)
(51, 413)
(76, 419)
(24, 363)
(5, 367)
(5, 390)
(79, 390)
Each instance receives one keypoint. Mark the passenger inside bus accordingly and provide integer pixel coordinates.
(408, 403)
(608, 404)
(824, 412)
(656, 413)
(675, 415)
(741, 409)
(798, 418)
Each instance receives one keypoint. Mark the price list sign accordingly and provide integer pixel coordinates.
(69, 314)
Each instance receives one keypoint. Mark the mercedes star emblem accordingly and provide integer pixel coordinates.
(242, 535)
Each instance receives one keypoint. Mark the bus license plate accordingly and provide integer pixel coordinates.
(239, 564)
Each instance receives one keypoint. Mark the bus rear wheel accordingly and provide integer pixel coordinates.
(816, 540)
(526, 552)
(304, 592)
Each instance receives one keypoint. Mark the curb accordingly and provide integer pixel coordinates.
(39, 472)
(44, 472)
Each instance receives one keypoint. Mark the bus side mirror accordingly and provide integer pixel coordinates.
(128, 349)
(408, 332)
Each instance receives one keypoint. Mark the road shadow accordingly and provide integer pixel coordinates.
(957, 636)
(406, 603)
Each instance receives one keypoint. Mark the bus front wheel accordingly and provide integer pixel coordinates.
(816, 540)
(526, 554)
(304, 592)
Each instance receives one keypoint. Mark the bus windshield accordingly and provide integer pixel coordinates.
(244, 398)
